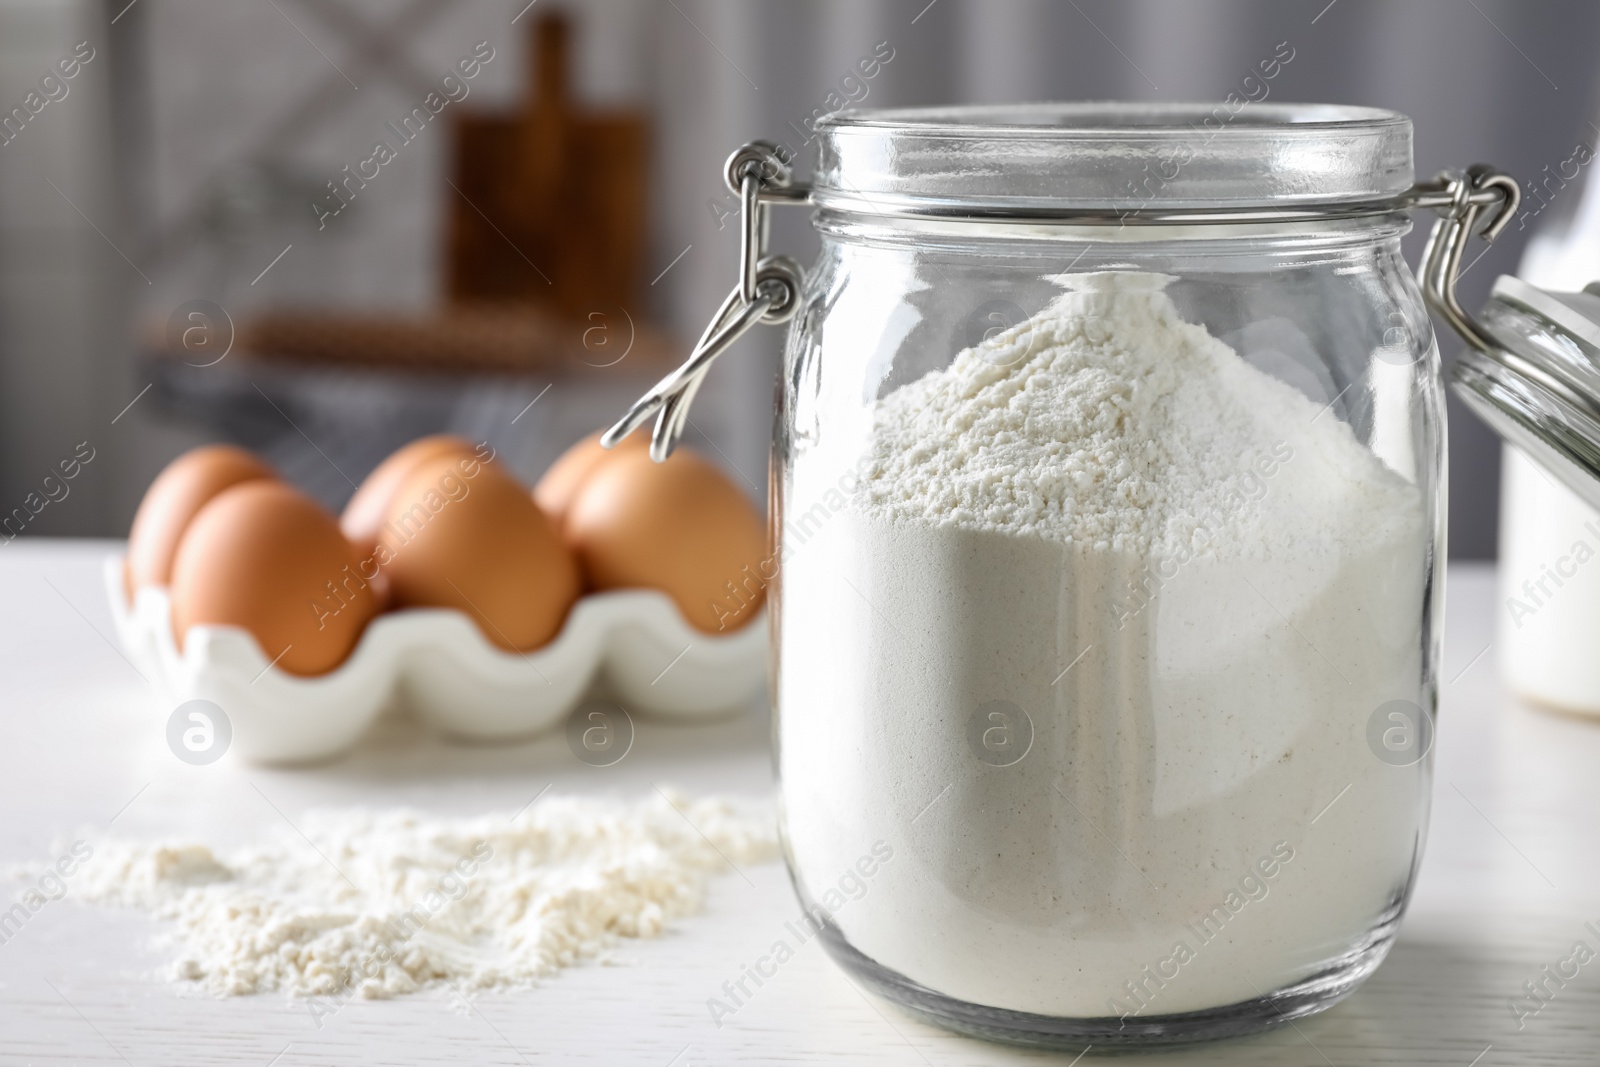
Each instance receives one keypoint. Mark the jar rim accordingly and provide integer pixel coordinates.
(1112, 156)
(1112, 118)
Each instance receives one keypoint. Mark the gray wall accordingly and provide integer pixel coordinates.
(62, 285)
(189, 101)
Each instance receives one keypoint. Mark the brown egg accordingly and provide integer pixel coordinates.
(463, 534)
(265, 557)
(364, 515)
(681, 527)
(576, 466)
(186, 485)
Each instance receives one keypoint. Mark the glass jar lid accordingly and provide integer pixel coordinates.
(1036, 158)
(1538, 384)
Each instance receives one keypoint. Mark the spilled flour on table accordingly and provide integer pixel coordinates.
(377, 904)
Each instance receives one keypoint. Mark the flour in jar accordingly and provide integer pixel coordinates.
(1185, 586)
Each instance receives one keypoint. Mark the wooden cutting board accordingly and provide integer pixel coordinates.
(552, 201)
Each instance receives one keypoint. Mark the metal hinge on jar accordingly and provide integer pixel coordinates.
(768, 289)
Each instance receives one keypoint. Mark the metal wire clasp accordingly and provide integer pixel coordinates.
(1468, 195)
(768, 291)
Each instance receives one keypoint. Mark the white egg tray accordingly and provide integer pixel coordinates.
(632, 647)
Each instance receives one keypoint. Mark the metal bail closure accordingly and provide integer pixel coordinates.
(1468, 195)
(1532, 366)
(768, 290)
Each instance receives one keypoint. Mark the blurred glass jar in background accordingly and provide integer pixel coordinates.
(1549, 625)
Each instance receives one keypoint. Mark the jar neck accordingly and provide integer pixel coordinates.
(850, 226)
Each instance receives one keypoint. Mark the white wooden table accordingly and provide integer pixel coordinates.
(1509, 881)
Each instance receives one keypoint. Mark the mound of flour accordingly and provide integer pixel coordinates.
(1172, 590)
(379, 904)
(1108, 421)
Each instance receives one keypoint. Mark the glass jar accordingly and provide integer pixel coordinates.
(1107, 495)
(1102, 547)
(1545, 636)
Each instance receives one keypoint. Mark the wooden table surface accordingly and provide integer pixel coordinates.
(1508, 883)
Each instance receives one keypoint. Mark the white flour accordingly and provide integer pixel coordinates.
(475, 903)
(1236, 583)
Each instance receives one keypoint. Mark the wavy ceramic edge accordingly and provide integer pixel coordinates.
(438, 664)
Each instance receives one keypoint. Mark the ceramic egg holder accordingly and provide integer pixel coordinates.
(634, 646)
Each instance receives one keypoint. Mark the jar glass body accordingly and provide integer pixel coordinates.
(1105, 617)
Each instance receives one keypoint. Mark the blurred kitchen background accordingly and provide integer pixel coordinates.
(198, 241)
